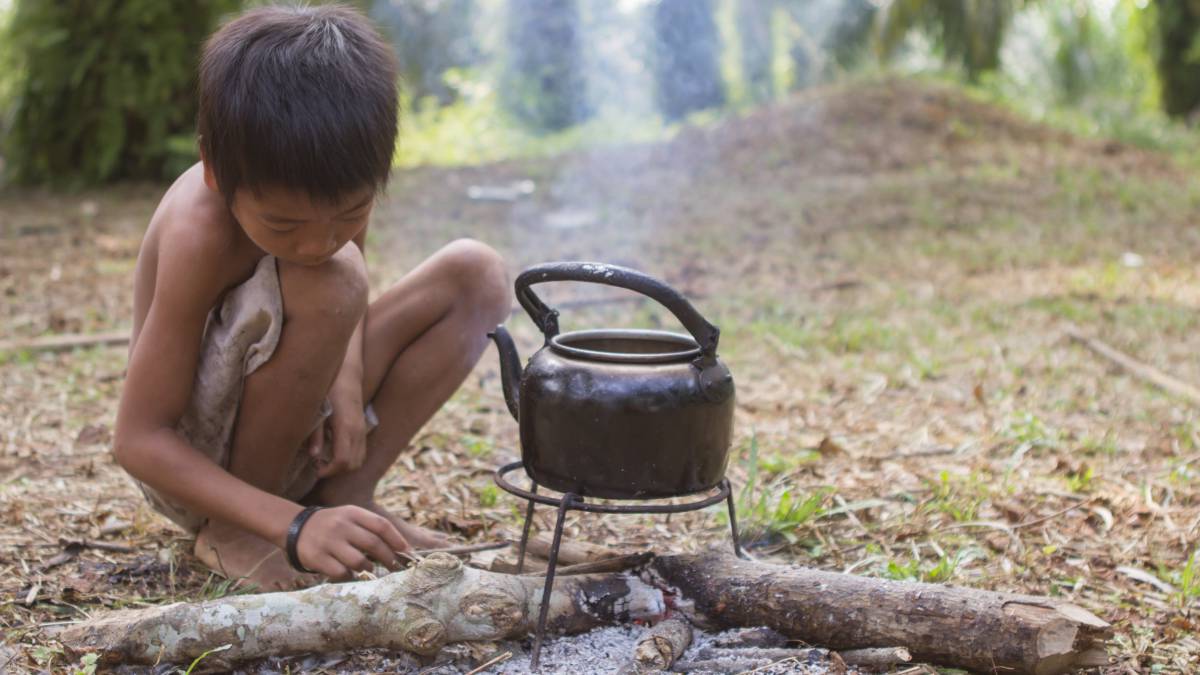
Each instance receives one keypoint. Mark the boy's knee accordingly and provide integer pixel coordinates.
(481, 275)
(334, 291)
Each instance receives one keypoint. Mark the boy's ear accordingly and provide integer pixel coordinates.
(210, 178)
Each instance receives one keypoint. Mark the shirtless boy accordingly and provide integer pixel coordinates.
(260, 379)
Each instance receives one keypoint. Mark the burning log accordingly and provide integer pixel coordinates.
(662, 645)
(959, 627)
(440, 601)
(419, 610)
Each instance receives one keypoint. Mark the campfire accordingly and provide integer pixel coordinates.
(616, 414)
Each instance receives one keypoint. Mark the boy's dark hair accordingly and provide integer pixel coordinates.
(298, 97)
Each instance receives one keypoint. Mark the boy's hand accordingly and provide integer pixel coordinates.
(342, 540)
(348, 428)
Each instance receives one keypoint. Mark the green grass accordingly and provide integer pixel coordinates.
(941, 569)
(767, 510)
(488, 496)
(958, 496)
(478, 446)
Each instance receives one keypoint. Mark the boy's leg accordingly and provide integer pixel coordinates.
(423, 337)
(321, 307)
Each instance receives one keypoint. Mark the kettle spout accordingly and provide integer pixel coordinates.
(510, 368)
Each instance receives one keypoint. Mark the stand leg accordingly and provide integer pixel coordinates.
(567, 500)
(525, 532)
(737, 542)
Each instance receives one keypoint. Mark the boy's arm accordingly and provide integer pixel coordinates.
(162, 368)
(158, 386)
(346, 396)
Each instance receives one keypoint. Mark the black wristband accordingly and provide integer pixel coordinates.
(293, 537)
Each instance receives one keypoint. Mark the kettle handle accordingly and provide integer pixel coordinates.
(706, 334)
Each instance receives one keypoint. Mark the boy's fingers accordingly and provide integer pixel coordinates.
(354, 559)
(314, 443)
(336, 466)
(370, 543)
(385, 530)
(333, 568)
(392, 537)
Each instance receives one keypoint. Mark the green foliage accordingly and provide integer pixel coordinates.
(1176, 44)
(969, 32)
(105, 88)
(87, 664)
(430, 39)
(476, 130)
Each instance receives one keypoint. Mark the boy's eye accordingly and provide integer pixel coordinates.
(351, 217)
(280, 226)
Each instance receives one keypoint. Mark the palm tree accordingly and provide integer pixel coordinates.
(969, 32)
(686, 44)
(1176, 29)
(543, 85)
(757, 47)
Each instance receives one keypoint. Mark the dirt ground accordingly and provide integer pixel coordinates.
(893, 266)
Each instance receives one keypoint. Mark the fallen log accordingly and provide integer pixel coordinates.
(945, 625)
(571, 552)
(439, 601)
(435, 602)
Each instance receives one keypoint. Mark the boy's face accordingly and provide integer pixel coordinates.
(294, 227)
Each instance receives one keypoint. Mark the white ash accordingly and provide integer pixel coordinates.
(608, 650)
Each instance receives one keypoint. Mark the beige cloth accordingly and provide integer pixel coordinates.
(240, 335)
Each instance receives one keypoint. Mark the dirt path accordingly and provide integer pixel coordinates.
(892, 266)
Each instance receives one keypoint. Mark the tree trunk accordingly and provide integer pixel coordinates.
(686, 47)
(757, 47)
(1178, 23)
(544, 86)
(959, 627)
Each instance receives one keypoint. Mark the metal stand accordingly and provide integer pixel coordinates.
(571, 501)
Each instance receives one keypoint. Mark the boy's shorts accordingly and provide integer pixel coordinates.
(240, 335)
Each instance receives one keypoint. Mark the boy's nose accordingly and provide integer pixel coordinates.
(318, 246)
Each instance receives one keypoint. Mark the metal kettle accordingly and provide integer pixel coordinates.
(617, 413)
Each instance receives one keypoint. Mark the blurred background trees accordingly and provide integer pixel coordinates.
(1177, 24)
(99, 90)
(543, 86)
(106, 88)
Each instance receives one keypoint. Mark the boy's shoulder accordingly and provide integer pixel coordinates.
(194, 250)
(194, 220)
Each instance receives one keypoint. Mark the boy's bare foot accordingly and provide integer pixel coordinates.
(418, 537)
(238, 554)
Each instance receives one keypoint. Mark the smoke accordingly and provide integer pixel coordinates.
(567, 215)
